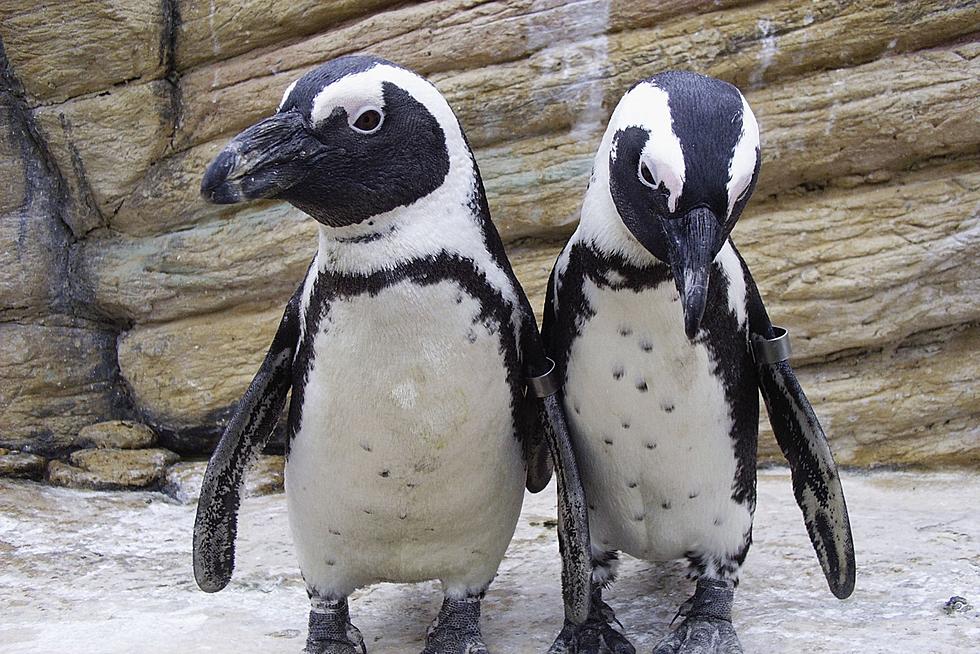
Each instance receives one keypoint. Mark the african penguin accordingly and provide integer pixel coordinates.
(661, 341)
(407, 347)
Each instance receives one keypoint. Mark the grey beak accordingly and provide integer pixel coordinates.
(261, 162)
(692, 243)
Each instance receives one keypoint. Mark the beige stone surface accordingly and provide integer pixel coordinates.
(542, 76)
(184, 371)
(64, 49)
(115, 434)
(910, 404)
(111, 469)
(21, 465)
(216, 31)
(859, 268)
(123, 294)
(84, 137)
(32, 255)
(56, 380)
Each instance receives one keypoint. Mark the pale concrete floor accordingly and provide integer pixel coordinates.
(100, 573)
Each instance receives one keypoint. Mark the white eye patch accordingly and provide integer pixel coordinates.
(355, 94)
(663, 172)
(647, 107)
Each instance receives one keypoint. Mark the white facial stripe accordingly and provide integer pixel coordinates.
(354, 93)
(742, 165)
(646, 106)
(285, 96)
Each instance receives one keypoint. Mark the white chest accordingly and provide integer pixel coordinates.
(652, 428)
(405, 455)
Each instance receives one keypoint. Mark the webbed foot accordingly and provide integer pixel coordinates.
(707, 626)
(456, 630)
(596, 636)
(331, 631)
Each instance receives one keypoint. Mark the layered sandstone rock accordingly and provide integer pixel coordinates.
(123, 295)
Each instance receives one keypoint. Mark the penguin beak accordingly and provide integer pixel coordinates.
(263, 161)
(692, 243)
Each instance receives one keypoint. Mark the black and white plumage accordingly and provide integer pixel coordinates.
(651, 317)
(406, 349)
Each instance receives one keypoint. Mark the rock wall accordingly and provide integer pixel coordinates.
(123, 295)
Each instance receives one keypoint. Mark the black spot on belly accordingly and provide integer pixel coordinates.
(331, 562)
(641, 386)
(665, 505)
(717, 522)
(367, 511)
(577, 409)
(402, 515)
(692, 495)
(632, 484)
(334, 532)
(626, 425)
(366, 447)
(607, 441)
(385, 473)
(668, 408)
(618, 372)
(646, 345)
(471, 336)
(625, 331)
(651, 446)
(638, 517)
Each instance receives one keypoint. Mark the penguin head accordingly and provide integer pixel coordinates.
(683, 161)
(356, 137)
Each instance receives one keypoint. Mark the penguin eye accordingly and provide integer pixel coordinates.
(646, 176)
(368, 121)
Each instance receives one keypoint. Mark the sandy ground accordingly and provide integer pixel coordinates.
(87, 572)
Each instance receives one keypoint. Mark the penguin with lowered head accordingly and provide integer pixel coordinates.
(662, 343)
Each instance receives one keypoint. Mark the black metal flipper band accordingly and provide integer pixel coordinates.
(547, 384)
(772, 350)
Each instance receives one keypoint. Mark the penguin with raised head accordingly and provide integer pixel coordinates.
(662, 343)
(413, 358)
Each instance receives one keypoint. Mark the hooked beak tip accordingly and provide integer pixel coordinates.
(216, 187)
(694, 301)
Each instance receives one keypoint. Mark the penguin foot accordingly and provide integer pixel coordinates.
(596, 636)
(707, 626)
(331, 631)
(700, 636)
(456, 630)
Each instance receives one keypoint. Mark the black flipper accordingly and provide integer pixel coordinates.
(539, 464)
(573, 518)
(557, 455)
(816, 483)
(246, 434)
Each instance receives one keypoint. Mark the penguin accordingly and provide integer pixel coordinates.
(419, 385)
(662, 343)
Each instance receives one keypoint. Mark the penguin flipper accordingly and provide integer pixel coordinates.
(539, 463)
(247, 433)
(554, 453)
(816, 482)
